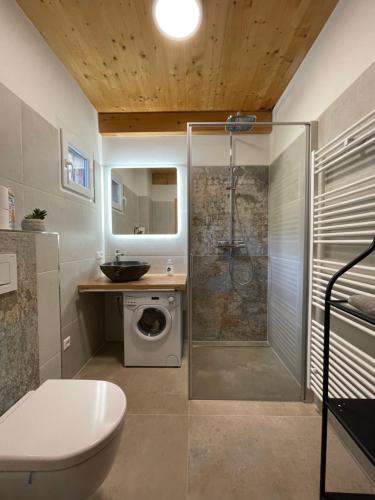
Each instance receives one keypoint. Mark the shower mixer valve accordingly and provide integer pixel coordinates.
(233, 244)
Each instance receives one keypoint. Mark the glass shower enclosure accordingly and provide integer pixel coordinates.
(248, 260)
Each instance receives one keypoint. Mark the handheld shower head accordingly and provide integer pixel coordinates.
(245, 124)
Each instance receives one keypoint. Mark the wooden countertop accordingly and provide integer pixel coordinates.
(147, 282)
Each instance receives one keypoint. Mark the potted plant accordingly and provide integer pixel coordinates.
(34, 221)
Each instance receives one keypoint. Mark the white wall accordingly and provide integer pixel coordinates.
(342, 52)
(207, 150)
(144, 150)
(37, 96)
(213, 150)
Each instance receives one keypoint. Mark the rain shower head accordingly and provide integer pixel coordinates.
(233, 124)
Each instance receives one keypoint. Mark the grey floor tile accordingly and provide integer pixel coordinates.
(263, 458)
(148, 390)
(213, 450)
(151, 463)
(241, 373)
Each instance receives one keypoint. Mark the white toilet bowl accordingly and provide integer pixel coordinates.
(59, 442)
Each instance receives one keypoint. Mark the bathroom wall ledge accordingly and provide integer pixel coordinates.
(148, 282)
(26, 232)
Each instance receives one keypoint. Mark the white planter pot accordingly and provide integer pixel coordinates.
(33, 225)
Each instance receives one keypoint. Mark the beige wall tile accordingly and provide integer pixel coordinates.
(86, 334)
(48, 315)
(51, 369)
(80, 232)
(47, 252)
(69, 294)
(354, 103)
(10, 136)
(71, 274)
(74, 357)
(40, 147)
(114, 322)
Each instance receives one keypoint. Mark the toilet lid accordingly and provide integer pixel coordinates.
(62, 423)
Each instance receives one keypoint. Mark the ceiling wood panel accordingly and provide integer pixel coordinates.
(243, 56)
(171, 122)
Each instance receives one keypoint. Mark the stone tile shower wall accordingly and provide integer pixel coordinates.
(19, 347)
(224, 311)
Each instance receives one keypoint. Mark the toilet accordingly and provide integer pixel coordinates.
(59, 441)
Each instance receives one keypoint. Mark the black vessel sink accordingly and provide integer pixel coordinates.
(125, 270)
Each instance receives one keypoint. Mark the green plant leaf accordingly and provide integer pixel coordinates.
(37, 213)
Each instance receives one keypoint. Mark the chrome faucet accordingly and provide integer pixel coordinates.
(118, 254)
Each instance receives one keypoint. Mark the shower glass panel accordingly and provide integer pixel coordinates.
(248, 206)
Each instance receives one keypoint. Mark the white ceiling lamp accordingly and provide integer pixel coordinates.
(178, 19)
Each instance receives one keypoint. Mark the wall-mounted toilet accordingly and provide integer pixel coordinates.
(59, 441)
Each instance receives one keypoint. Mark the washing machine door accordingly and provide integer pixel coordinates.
(152, 323)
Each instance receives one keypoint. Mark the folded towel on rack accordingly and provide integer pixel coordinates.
(364, 303)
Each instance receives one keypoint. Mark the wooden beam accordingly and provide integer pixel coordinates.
(170, 122)
(164, 176)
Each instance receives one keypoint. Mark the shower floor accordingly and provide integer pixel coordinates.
(241, 373)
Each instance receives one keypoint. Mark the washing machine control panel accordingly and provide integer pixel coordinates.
(129, 301)
(166, 298)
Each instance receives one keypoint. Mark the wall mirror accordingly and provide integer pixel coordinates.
(144, 200)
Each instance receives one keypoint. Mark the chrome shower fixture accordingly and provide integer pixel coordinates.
(235, 123)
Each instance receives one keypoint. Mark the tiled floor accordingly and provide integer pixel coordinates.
(241, 373)
(173, 449)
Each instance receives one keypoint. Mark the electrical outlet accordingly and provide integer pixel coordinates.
(99, 255)
(66, 343)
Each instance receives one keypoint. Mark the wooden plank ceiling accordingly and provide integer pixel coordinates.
(242, 58)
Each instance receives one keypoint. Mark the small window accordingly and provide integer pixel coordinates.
(117, 196)
(78, 167)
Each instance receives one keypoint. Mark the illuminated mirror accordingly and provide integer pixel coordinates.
(144, 200)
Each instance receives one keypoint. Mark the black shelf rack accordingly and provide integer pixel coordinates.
(356, 416)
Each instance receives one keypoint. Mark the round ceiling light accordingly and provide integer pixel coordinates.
(178, 19)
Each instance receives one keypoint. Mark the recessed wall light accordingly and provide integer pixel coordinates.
(178, 19)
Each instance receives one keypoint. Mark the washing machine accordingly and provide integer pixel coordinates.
(152, 328)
